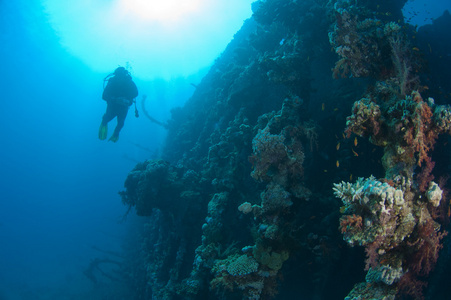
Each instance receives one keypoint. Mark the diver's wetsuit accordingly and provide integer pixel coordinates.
(119, 94)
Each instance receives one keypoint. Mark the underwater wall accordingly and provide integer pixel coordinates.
(310, 163)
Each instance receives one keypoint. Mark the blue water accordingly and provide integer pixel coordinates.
(58, 182)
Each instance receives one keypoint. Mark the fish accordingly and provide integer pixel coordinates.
(323, 106)
(337, 163)
(338, 146)
(355, 141)
(355, 153)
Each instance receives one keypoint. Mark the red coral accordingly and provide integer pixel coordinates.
(425, 176)
(421, 136)
(423, 260)
(409, 285)
(429, 244)
(348, 222)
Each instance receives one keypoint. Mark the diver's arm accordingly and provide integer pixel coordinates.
(106, 95)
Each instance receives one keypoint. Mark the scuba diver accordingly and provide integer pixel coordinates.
(119, 94)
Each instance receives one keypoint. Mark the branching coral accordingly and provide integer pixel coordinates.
(420, 134)
(381, 212)
(350, 223)
(395, 227)
(401, 239)
(409, 128)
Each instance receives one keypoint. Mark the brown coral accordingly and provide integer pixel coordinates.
(349, 222)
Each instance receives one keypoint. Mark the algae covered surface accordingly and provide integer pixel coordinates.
(311, 162)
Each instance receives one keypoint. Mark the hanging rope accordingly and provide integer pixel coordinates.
(143, 107)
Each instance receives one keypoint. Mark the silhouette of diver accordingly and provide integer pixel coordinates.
(119, 94)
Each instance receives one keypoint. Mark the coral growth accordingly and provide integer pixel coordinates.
(406, 128)
(278, 151)
(350, 223)
(364, 119)
(387, 220)
(150, 185)
(382, 212)
(277, 159)
(228, 210)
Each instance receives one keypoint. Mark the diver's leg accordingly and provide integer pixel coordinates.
(109, 114)
(121, 115)
(107, 117)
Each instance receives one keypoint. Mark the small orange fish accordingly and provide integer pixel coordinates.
(350, 177)
(355, 153)
(344, 136)
(449, 212)
(323, 106)
(325, 171)
(415, 49)
(355, 141)
(338, 163)
(338, 146)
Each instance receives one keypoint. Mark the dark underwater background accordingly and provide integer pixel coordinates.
(66, 233)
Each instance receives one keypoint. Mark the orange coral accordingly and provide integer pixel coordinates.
(421, 136)
(348, 222)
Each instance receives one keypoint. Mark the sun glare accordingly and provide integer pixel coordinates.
(159, 38)
(163, 11)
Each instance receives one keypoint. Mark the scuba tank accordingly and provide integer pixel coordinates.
(120, 71)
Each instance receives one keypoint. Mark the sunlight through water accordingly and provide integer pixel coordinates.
(158, 39)
(163, 11)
